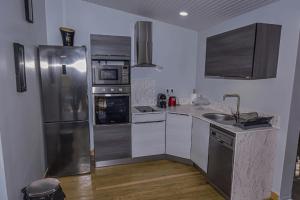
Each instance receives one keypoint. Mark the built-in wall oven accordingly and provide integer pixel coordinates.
(112, 123)
(111, 105)
(111, 70)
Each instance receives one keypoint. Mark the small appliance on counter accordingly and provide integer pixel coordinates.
(161, 100)
(172, 101)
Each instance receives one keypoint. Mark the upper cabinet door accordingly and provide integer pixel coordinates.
(250, 52)
(231, 54)
(266, 53)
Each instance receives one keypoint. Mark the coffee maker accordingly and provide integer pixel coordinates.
(161, 100)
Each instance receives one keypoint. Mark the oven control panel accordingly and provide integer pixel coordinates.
(111, 90)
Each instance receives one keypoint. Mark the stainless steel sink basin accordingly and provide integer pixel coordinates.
(220, 118)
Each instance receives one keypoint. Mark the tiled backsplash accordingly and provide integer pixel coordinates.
(143, 92)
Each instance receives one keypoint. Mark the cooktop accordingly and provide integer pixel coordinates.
(145, 109)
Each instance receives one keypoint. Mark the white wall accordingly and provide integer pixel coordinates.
(293, 133)
(174, 48)
(271, 95)
(20, 114)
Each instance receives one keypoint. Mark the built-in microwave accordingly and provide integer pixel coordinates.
(111, 72)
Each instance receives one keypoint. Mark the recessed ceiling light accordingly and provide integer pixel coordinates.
(184, 13)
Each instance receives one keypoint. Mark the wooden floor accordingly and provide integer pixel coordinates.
(155, 180)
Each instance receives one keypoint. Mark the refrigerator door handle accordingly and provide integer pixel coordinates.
(64, 69)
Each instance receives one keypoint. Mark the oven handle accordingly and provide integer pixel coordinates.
(111, 95)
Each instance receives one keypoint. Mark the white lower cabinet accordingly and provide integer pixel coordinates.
(148, 138)
(178, 135)
(200, 142)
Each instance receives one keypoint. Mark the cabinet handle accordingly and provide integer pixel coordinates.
(148, 122)
(179, 114)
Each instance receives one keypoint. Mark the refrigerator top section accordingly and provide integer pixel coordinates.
(64, 83)
(74, 56)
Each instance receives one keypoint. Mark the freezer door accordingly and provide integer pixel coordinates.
(67, 148)
(64, 83)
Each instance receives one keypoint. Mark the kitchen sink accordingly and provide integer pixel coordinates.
(220, 118)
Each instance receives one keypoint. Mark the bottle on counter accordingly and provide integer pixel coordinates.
(193, 96)
(168, 94)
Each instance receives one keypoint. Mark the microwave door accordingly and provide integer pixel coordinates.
(107, 75)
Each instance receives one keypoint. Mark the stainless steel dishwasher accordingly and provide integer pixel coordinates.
(220, 159)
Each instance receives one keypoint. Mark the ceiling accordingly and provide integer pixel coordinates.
(202, 13)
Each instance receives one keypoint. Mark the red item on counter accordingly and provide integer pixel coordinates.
(172, 101)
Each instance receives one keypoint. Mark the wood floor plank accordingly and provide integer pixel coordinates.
(155, 180)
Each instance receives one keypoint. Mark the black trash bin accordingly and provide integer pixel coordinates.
(44, 189)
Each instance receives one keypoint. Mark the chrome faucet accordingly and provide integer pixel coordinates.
(237, 105)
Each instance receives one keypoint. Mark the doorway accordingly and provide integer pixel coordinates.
(296, 183)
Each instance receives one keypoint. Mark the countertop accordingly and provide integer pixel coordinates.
(197, 112)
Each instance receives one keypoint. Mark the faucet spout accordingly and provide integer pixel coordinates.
(237, 105)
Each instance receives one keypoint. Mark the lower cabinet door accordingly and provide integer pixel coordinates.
(112, 142)
(178, 135)
(200, 143)
(148, 138)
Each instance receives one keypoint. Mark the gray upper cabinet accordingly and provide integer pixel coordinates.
(250, 52)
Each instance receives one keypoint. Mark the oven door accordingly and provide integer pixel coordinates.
(106, 74)
(111, 109)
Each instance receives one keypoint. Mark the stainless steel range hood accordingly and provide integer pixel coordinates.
(143, 44)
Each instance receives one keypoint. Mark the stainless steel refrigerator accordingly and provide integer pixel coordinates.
(65, 109)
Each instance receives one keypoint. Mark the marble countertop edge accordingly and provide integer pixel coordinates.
(197, 112)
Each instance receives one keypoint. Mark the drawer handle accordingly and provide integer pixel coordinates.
(148, 122)
(172, 113)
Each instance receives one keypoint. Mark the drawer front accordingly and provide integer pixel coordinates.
(148, 117)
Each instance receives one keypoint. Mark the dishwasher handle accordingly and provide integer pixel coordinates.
(219, 140)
